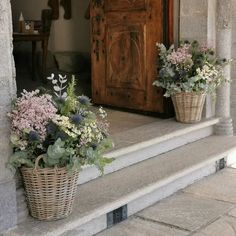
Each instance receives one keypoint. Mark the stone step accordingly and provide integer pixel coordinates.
(135, 188)
(141, 143)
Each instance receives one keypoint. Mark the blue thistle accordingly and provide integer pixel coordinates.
(94, 146)
(76, 119)
(33, 136)
(62, 135)
(51, 128)
(84, 100)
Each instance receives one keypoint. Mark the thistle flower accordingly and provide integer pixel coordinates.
(33, 136)
(84, 100)
(76, 119)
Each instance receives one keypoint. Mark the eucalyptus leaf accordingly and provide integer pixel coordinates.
(19, 159)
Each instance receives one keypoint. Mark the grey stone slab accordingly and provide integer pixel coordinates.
(232, 212)
(156, 130)
(215, 187)
(186, 211)
(8, 209)
(122, 121)
(140, 227)
(225, 226)
(88, 229)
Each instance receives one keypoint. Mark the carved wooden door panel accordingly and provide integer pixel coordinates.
(124, 36)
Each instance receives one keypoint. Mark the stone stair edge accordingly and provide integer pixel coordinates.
(134, 154)
(140, 192)
(161, 183)
(190, 128)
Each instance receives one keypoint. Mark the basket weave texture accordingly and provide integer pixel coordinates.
(50, 192)
(188, 106)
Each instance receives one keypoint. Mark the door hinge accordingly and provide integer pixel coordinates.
(221, 164)
(116, 216)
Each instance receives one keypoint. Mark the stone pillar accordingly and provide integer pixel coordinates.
(197, 22)
(8, 210)
(223, 49)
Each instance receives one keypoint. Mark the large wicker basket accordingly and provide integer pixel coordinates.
(50, 192)
(188, 106)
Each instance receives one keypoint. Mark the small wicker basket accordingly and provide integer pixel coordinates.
(50, 192)
(188, 106)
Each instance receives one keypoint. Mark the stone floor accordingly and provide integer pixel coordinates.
(122, 121)
(207, 208)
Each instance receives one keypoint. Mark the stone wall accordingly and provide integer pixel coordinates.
(193, 15)
(197, 21)
(7, 92)
(233, 66)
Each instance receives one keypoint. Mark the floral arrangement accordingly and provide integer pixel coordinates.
(60, 127)
(189, 68)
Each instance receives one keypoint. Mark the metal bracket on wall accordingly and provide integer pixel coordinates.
(116, 216)
(221, 164)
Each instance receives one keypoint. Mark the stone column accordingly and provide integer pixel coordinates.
(223, 49)
(8, 210)
(197, 22)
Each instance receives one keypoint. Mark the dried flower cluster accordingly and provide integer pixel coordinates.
(189, 68)
(31, 113)
(59, 127)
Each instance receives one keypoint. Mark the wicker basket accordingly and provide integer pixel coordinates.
(188, 106)
(50, 192)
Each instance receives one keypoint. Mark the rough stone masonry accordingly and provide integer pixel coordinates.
(8, 212)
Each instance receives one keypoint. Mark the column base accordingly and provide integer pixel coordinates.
(225, 127)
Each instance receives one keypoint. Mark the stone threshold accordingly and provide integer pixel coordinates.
(135, 187)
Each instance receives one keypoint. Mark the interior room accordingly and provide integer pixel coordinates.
(68, 45)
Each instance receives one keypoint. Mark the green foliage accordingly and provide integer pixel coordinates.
(70, 104)
(75, 136)
(94, 156)
(18, 159)
(56, 153)
(189, 68)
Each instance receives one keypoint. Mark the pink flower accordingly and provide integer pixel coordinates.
(181, 55)
(32, 112)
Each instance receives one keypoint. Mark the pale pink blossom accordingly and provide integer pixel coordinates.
(32, 112)
(181, 55)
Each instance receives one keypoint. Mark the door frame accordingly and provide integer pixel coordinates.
(168, 39)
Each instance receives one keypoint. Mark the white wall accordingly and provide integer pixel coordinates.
(66, 35)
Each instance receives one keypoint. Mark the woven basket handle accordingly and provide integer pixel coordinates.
(37, 162)
(36, 167)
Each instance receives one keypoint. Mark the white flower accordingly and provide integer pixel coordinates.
(62, 79)
(51, 77)
(64, 95)
(57, 88)
(102, 112)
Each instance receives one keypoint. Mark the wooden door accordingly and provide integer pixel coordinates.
(124, 36)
